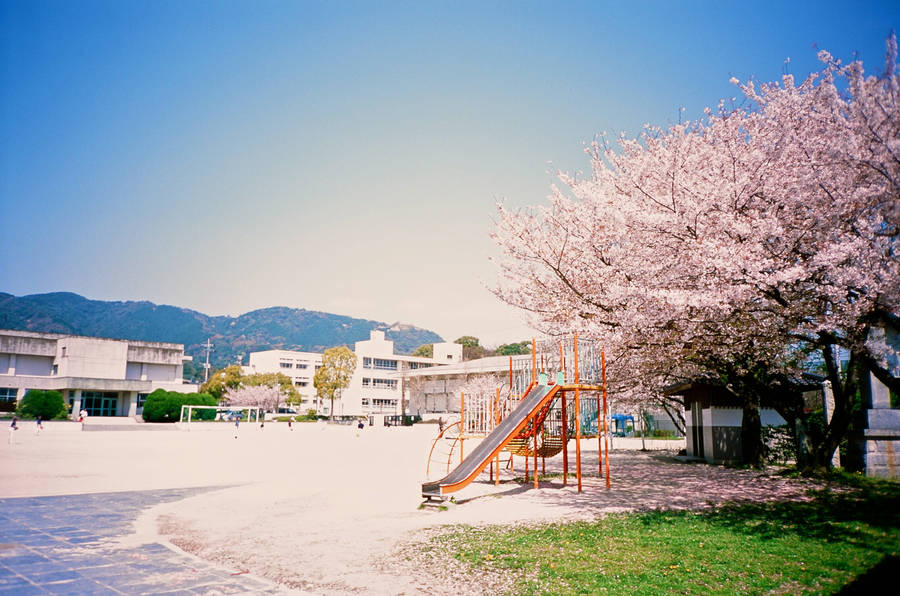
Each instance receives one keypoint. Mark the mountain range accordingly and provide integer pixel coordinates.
(275, 328)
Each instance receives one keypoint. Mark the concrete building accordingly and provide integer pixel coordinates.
(436, 390)
(378, 384)
(106, 377)
(301, 367)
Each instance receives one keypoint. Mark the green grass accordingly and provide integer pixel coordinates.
(811, 547)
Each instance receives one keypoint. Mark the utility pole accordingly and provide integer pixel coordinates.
(208, 345)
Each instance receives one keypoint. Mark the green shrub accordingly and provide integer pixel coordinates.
(664, 433)
(165, 406)
(48, 405)
(779, 442)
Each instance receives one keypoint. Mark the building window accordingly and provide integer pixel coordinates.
(285, 365)
(8, 394)
(382, 364)
(384, 402)
(384, 383)
(417, 365)
(55, 369)
(365, 401)
(64, 351)
(367, 382)
(301, 383)
(141, 398)
(302, 366)
(367, 362)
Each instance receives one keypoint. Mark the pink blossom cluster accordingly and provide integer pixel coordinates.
(262, 396)
(745, 232)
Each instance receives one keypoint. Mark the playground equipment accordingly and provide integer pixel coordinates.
(623, 425)
(531, 420)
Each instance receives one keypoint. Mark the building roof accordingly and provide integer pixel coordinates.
(58, 336)
(481, 365)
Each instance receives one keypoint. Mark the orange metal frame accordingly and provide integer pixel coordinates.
(533, 424)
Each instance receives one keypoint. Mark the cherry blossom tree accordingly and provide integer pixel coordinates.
(720, 246)
(266, 397)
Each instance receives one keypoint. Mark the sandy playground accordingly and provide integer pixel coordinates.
(328, 509)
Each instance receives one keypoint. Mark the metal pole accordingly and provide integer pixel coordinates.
(577, 419)
(533, 361)
(496, 421)
(605, 433)
(462, 426)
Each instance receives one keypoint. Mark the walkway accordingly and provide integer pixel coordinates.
(68, 545)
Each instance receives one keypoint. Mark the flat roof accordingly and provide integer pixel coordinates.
(481, 365)
(57, 336)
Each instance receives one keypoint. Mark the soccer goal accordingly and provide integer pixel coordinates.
(202, 414)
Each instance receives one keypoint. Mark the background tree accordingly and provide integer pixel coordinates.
(514, 349)
(472, 348)
(338, 365)
(424, 351)
(232, 378)
(265, 397)
(276, 380)
(229, 377)
(48, 405)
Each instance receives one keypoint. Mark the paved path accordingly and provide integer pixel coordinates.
(69, 545)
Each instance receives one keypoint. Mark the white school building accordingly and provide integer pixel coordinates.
(106, 377)
(301, 367)
(378, 383)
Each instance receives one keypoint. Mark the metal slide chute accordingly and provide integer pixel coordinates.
(533, 405)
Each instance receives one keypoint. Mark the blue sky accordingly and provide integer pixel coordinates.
(343, 156)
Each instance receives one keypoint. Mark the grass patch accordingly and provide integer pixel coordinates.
(818, 546)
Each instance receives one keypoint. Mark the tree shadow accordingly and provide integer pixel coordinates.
(833, 514)
(875, 579)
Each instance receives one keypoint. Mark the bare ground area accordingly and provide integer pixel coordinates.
(331, 510)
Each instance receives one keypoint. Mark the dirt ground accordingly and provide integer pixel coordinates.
(332, 510)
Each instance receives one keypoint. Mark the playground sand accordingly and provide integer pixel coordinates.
(332, 510)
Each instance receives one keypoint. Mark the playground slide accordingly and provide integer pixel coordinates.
(506, 431)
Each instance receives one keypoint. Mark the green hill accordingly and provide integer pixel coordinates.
(272, 328)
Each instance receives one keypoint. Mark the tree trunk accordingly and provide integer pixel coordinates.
(845, 395)
(803, 444)
(677, 421)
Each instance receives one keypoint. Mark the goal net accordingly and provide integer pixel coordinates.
(203, 414)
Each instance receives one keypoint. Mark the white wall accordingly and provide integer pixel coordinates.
(91, 358)
(447, 353)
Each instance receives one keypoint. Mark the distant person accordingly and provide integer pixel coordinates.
(360, 426)
(262, 424)
(290, 424)
(13, 427)
(237, 425)
(39, 427)
(440, 424)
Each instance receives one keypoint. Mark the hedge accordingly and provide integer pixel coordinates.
(46, 404)
(165, 406)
